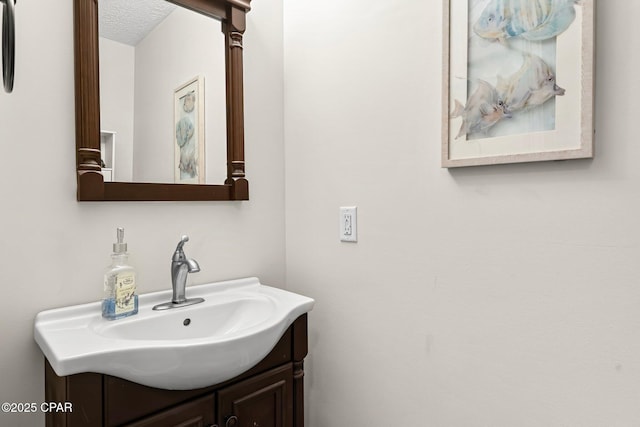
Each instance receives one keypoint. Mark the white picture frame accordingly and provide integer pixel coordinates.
(485, 72)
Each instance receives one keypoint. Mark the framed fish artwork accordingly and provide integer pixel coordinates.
(518, 81)
(189, 152)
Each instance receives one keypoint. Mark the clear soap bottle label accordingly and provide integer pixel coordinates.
(125, 292)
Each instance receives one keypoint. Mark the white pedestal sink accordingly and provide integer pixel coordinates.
(196, 346)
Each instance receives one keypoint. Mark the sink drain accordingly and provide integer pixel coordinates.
(186, 322)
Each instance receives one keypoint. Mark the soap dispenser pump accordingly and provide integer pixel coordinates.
(120, 299)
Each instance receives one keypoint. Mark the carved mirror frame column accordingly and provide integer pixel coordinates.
(91, 184)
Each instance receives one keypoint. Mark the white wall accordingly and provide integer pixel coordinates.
(117, 71)
(165, 60)
(492, 296)
(54, 249)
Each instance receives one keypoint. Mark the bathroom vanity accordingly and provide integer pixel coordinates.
(269, 394)
(233, 359)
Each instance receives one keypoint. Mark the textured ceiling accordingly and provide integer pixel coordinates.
(129, 21)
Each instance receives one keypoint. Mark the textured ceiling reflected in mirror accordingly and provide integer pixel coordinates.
(129, 22)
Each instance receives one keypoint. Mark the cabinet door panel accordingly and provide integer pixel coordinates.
(262, 401)
(198, 413)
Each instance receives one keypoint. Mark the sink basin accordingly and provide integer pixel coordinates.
(184, 348)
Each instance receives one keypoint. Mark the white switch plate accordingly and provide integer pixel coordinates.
(349, 224)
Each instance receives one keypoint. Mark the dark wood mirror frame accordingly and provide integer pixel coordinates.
(91, 185)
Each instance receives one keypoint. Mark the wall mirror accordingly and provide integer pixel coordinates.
(159, 110)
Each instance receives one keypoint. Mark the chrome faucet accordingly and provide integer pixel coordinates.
(181, 266)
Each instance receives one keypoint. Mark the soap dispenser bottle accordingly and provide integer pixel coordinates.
(120, 299)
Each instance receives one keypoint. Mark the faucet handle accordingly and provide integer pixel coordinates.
(184, 239)
(178, 255)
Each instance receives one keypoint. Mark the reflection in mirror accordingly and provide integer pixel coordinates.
(155, 127)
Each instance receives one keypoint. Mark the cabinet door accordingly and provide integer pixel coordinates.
(265, 400)
(197, 413)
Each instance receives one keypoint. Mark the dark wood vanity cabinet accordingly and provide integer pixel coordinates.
(268, 395)
(196, 413)
(264, 400)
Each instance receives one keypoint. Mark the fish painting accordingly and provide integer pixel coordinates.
(484, 109)
(533, 20)
(532, 85)
(184, 137)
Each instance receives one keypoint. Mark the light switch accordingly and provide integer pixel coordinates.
(349, 224)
